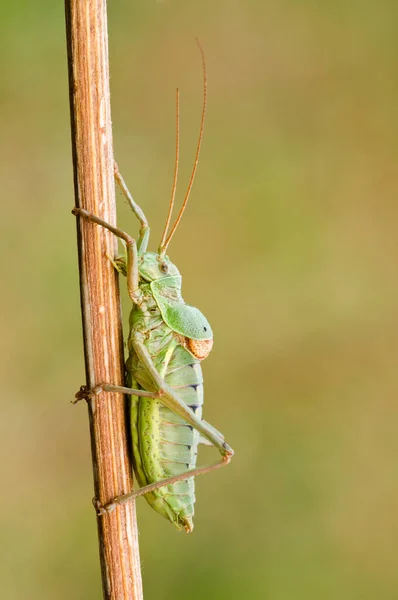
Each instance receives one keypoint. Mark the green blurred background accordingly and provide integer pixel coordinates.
(289, 246)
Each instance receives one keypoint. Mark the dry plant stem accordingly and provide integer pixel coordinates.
(86, 27)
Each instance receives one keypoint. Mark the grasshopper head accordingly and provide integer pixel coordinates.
(153, 267)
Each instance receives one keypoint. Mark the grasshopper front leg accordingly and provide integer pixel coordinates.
(137, 210)
(132, 254)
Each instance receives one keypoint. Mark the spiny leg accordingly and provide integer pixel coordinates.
(143, 239)
(158, 484)
(167, 396)
(132, 255)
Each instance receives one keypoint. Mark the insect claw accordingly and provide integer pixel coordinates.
(101, 509)
(83, 394)
(82, 212)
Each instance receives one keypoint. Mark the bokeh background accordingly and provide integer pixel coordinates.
(289, 246)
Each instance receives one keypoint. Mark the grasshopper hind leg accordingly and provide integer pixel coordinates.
(167, 396)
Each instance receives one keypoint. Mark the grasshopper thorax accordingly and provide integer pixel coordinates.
(190, 326)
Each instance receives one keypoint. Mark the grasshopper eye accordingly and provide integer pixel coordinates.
(164, 267)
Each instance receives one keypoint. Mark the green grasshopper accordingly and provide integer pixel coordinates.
(167, 342)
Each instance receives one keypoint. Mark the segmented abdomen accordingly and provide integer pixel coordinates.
(163, 443)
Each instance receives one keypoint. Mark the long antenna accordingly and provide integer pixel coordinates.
(173, 191)
(164, 244)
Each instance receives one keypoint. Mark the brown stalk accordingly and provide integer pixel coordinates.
(87, 44)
